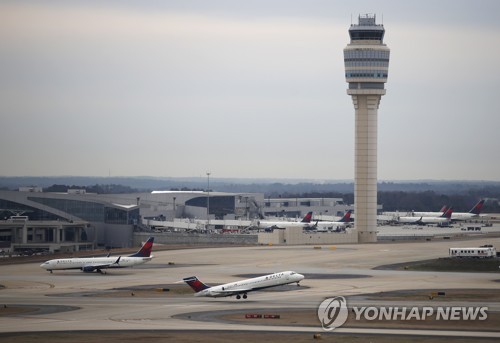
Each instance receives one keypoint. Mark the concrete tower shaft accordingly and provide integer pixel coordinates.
(366, 60)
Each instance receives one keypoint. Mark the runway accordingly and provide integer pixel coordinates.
(73, 300)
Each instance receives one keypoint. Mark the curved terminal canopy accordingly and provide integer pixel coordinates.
(366, 29)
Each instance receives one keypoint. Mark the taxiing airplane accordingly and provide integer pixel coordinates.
(265, 224)
(90, 264)
(241, 288)
(339, 225)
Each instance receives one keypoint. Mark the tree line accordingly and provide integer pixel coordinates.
(419, 201)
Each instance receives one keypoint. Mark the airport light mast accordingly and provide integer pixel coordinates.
(366, 60)
(208, 201)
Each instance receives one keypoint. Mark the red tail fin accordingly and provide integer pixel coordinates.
(195, 284)
(448, 213)
(307, 218)
(346, 218)
(477, 208)
(146, 249)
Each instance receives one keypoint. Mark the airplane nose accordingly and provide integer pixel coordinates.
(300, 276)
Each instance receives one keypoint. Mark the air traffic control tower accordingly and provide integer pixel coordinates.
(366, 60)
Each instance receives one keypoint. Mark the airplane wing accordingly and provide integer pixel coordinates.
(92, 267)
(234, 291)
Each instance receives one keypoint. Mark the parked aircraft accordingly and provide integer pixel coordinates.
(456, 216)
(241, 288)
(430, 214)
(339, 225)
(90, 264)
(473, 213)
(442, 220)
(267, 224)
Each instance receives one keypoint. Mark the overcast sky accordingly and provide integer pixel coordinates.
(252, 89)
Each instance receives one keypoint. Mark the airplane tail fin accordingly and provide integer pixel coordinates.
(146, 249)
(448, 213)
(195, 284)
(477, 208)
(307, 218)
(444, 209)
(346, 218)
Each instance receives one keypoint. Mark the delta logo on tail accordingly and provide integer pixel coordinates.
(146, 249)
(195, 284)
(447, 214)
(307, 218)
(346, 218)
(477, 208)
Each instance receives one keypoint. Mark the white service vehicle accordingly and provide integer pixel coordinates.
(481, 252)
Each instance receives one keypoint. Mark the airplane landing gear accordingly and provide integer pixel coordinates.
(298, 284)
(244, 296)
(238, 297)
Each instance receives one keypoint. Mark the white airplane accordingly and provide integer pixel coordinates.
(442, 220)
(473, 213)
(90, 264)
(430, 214)
(241, 288)
(339, 225)
(266, 224)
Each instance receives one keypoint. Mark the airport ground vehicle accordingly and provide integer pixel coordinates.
(481, 252)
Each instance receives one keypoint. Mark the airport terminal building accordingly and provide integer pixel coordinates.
(76, 220)
(64, 221)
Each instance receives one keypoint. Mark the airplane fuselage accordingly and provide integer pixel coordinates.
(330, 226)
(464, 216)
(93, 263)
(423, 220)
(254, 284)
(280, 224)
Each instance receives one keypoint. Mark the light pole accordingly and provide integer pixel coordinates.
(174, 208)
(208, 200)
